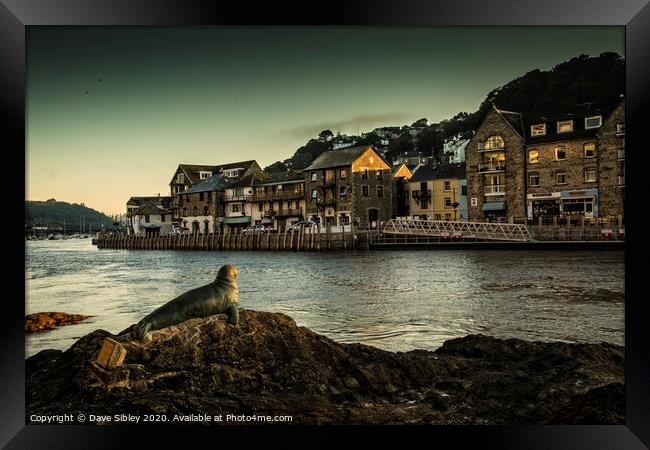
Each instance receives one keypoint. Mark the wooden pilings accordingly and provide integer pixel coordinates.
(304, 239)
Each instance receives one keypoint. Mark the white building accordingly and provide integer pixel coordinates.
(150, 220)
(454, 147)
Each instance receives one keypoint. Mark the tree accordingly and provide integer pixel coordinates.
(325, 135)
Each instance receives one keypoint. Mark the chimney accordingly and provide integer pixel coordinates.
(158, 194)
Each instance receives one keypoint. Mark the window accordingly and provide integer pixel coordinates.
(184, 212)
(447, 216)
(560, 177)
(239, 192)
(437, 217)
(290, 204)
(204, 175)
(260, 207)
(195, 211)
(593, 122)
(364, 191)
(447, 202)
(314, 193)
(146, 218)
(590, 174)
(590, 150)
(200, 196)
(565, 126)
(343, 191)
(494, 142)
(620, 128)
(231, 172)
(380, 191)
(533, 179)
(538, 129)
(180, 178)
(178, 189)
(463, 189)
(447, 186)
(560, 153)
(344, 219)
(533, 157)
(364, 174)
(378, 174)
(236, 207)
(343, 174)
(162, 217)
(205, 211)
(313, 177)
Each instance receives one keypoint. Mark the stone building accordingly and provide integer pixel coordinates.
(200, 207)
(495, 167)
(188, 175)
(439, 192)
(563, 165)
(350, 184)
(278, 199)
(401, 194)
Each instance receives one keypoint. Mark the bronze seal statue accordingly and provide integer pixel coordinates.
(219, 297)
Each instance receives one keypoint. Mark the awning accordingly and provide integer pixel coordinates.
(494, 206)
(242, 219)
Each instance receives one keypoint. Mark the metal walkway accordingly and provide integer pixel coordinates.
(444, 228)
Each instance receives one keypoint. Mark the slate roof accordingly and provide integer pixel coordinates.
(428, 172)
(214, 183)
(280, 177)
(514, 119)
(148, 210)
(192, 170)
(164, 201)
(577, 113)
(337, 158)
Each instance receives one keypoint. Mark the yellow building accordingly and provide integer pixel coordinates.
(439, 193)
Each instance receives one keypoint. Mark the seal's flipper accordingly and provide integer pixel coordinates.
(140, 329)
(233, 314)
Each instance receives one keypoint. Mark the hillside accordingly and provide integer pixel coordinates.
(599, 79)
(53, 213)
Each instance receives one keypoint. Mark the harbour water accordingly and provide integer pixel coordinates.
(395, 300)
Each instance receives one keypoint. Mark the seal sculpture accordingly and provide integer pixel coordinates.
(219, 297)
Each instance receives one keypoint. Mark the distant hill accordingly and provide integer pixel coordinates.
(53, 213)
(599, 79)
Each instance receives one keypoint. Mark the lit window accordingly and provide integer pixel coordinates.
(560, 153)
(590, 175)
(533, 157)
(560, 177)
(494, 142)
(379, 174)
(590, 150)
(533, 179)
(343, 174)
(593, 122)
(538, 129)
(565, 126)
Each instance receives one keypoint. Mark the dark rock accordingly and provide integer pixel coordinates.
(44, 321)
(267, 365)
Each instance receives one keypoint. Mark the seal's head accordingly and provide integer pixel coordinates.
(228, 273)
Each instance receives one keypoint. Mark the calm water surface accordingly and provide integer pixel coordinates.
(395, 300)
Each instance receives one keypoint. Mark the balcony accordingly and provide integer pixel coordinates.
(288, 212)
(421, 194)
(621, 153)
(493, 166)
(278, 195)
(235, 198)
(495, 189)
(490, 148)
(270, 213)
(621, 180)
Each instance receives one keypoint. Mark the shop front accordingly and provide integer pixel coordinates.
(564, 204)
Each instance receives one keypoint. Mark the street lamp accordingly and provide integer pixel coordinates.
(454, 204)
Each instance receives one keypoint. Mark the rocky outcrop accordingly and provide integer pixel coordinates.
(270, 366)
(44, 321)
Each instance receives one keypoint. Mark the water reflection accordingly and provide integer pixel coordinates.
(393, 300)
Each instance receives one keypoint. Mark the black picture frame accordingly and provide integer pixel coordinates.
(16, 15)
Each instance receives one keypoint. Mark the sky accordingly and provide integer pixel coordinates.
(112, 111)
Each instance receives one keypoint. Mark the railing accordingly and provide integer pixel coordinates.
(421, 193)
(270, 196)
(492, 166)
(288, 212)
(495, 189)
(621, 153)
(474, 230)
(483, 148)
(236, 198)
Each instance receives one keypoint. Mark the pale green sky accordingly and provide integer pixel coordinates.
(213, 95)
